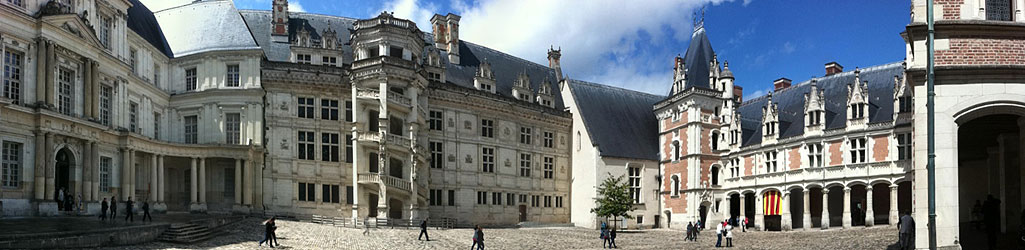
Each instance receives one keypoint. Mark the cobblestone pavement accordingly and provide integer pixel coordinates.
(301, 235)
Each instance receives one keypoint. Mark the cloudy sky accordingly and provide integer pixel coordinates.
(631, 44)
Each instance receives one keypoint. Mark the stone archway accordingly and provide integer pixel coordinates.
(990, 174)
(64, 167)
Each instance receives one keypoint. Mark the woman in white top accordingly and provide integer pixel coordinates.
(729, 235)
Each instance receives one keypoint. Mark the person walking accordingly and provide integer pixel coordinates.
(145, 211)
(113, 208)
(612, 239)
(718, 234)
(103, 209)
(129, 215)
(906, 228)
(690, 231)
(268, 232)
(480, 238)
(476, 232)
(366, 225)
(604, 234)
(743, 227)
(423, 230)
(729, 234)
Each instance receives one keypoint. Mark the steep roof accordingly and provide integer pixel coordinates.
(204, 26)
(619, 121)
(699, 54)
(259, 24)
(143, 23)
(506, 68)
(790, 102)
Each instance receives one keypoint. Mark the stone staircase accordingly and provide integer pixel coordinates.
(186, 233)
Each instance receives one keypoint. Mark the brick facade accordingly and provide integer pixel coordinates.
(835, 154)
(880, 148)
(951, 8)
(795, 157)
(979, 51)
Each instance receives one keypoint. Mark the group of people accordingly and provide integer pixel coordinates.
(608, 237)
(129, 209)
(269, 233)
(724, 230)
(66, 200)
(693, 231)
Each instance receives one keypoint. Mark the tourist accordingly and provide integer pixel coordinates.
(103, 209)
(612, 239)
(476, 232)
(906, 228)
(718, 234)
(129, 214)
(79, 202)
(366, 225)
(690, 231)
(480, 238)
(604, 234)
(743, 227)
(729, 234)
(59, 198)
(145, 211)
(991, 210)
(113, 207)
(423, 230)
(268, 232)
(977, 215)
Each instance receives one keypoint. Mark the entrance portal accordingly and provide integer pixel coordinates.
(65, 162)
(989, 182)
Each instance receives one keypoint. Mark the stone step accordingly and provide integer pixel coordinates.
(185, 233)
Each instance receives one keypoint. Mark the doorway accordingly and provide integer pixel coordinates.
(989, 180)
(523, 213)
(65, 162)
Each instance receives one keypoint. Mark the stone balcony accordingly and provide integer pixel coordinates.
(397, 99)
(391, 140)
(821, 175)
(389, 181)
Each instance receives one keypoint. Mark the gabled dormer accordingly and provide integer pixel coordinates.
(857, 101)
(544, 94)
(485, 78)
(734, 136)
(432, 64)
(302, 37)
(814, 109)
(903, 98)
(521, 88)
(770, 121)
(329, 39)
(679, 75)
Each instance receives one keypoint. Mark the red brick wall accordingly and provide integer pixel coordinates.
(706, 140)
(749, 163)
(672, 168)
(951, 8)
(795, 157)
(835, 155)
(880, 148)
(970, 50)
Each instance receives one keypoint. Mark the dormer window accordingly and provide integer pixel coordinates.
(486, 87)
(374, 52)
(814, 108)
(770, 128)
(104, 32)
(857, 100)
(858, 110)
(815, 118)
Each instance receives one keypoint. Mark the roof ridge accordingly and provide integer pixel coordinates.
(808, 81)
(614, 87)
(302, 13)
(197, 3)
(504, 54)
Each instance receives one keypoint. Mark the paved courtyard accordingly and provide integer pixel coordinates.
(301, 235)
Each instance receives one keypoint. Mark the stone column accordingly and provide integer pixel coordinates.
(870, 217)
(95, 90)
(894, 214)
(87, 88)
(39, 182)
(124, 172)
(785, 218)
(50, 69)
(806, 213)
(154, 187)
(95, 175)
(131, 175)
(846, 207)
(759, 212)
(825, 208)
(194, 190)
(202, 180)
(238, 181)
(729, 209)
(41, 48)
(248, 184)
(87, 172)
(357, 117)
(161, 179)
(743, 208)
(50, 166)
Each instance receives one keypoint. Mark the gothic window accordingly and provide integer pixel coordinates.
(106, 164)
(770, 128)
(487, 160)
(10, 163)
(815, 118)
(525, 165)
(305, 107)
(858, 110)
(190, 79)
(12, 75)
(191, 135)
(306, 142)
(904, 146)
(857, 149)
(329, 109)
(634, 180)
(815, 155)
(437, 154)
(676, 185)
(233, 128)
(233, 78)
(998, 10)
(66, 97)
(676, 151)
(905, 104)
(329, 147)
(487, 128)
(133, 117)
(549, 167)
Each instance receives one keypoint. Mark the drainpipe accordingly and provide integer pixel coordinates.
(931, 106)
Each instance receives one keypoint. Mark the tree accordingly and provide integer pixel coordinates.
(613, 199)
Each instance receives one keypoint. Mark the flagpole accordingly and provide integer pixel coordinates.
(931, 106)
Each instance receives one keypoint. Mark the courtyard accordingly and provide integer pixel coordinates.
(303, 235)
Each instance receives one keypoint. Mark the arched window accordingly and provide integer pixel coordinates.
(578, 140)
(676, 185)
(676, 150)
(715, 175)
(715, 140)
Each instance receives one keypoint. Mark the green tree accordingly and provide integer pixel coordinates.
(613, 199)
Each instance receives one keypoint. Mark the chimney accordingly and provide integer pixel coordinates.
(446, 35)
(833, 68)
(781, 83)
(738, 93)
(553, 62)
(279, 21)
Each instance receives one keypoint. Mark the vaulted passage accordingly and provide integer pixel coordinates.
(990, 176)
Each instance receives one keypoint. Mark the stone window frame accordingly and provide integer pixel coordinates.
(191, 79)
(106, 25)
(525, 164)
(437, 150)
(106, 172)
(451, 197)
(548, 201)
(66, 78)
(349, 148)
(634, 174)
(510, 199)
(675, 186)
(549, 167)
(306, 107)
(487, 128)
(329, 109)
(306, 145)
(13, 74)
(133, 60)
(233, 131)
(133, 117)
(548, 138)
(496, 198)
(330, 193)
(306, 192)
(816, 154)
(487, 159)
(904, 142)
(348, 111)
(435, 120)
(558, 201)
(193, 137)
(857, 148)
(329, 146)
(771, 161)
(233, 78)
(482, 197)
(11, 162)
(156, 125)
(303, 58)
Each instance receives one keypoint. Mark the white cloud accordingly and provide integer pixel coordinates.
(294, 6)
(788, 47)
(607, 41)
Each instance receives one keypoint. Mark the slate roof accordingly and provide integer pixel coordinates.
(259, 24)
(143, 23)
(790, 102)
(205, 26)
(506, 68)
(699, 54)
(619, 121)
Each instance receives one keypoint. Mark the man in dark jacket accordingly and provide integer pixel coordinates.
(145, 211)
(113, 207)
(103, 209)
(423, 230)
(906, 227)
(128, 210)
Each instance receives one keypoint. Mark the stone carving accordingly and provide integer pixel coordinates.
(467, 124)
(508, 163)
(284, 144)
(469, 159)
(451, 158)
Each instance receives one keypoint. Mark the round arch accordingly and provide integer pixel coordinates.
(851, 184)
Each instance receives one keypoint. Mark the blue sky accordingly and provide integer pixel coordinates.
(631, 44)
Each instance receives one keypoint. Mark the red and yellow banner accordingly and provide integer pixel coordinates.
(772, 203)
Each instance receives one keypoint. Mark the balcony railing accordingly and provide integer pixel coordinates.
(371, 136)
(399, 98)
(367, 93)
(389, 181)
(397, 140)
(396, 98)
(383, 60)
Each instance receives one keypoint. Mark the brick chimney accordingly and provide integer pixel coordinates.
(833, 68)
(781, 83)
(738, 93)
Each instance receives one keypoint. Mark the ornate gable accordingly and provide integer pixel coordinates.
(814, 108)
(75, 26)
(770, 121)
(857, 101)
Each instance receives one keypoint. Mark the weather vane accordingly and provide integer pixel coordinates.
(699, 23)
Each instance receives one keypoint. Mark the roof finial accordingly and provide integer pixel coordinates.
(699, 23)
